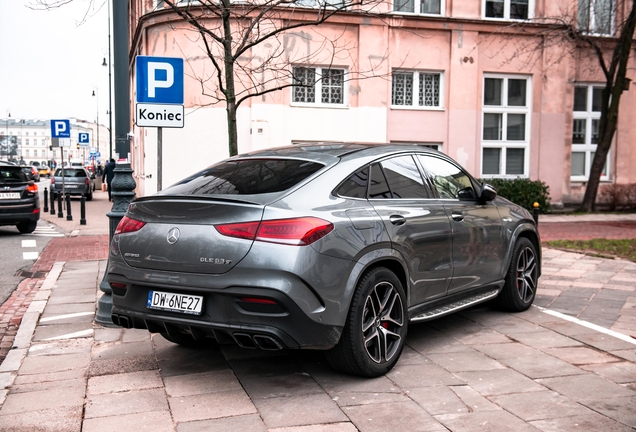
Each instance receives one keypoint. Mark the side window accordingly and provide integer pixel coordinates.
(356, 185)
(378, 187)
(404, 178)
(449, 181)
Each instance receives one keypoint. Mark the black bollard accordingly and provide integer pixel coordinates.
(52, 201)
(83, 210)
(69, 216)
(46, 200)
(60, 210)
(535, 213)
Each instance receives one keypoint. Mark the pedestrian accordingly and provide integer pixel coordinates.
(109, 173)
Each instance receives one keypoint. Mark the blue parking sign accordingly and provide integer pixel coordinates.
(60, 128)
(83, 138)
(159, 80)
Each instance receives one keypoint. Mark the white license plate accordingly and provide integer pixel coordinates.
(9, 195)
(71, 186)
(184, 303)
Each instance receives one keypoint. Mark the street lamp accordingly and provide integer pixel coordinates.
(96, 94)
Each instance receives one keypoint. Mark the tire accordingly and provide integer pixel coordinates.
(520, 286)
(187, 340)
(27, 227)
(378, 316)
(89, 197)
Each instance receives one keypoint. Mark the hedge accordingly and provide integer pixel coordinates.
(523, 192)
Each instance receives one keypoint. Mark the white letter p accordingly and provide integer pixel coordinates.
(153, 82)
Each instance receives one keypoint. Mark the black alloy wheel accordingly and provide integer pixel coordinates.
(520, 287)
(375, 332)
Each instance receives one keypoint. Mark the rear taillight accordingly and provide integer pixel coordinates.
(296, 231)
(128, 225)
(87, 181)
(32, 188)
(52, 180)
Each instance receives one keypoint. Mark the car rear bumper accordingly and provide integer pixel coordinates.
(226, 315)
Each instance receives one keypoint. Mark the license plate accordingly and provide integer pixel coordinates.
(184, 303)
(9, 195)
(71, 186)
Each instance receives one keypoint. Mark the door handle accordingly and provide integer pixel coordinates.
(457, 216)
(397, 220)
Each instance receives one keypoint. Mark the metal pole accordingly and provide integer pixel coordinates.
(46, 200)
(123, 184)
(83, 210)
(69, 216)
(159, 156)
(110, 94)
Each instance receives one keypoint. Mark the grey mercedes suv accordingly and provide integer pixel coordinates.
(329, 247)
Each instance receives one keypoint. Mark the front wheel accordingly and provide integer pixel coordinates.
(520, 286)
(375, 332)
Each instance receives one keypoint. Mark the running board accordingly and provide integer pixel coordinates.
(454, 307)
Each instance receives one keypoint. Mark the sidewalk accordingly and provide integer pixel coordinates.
(569, 366)
(587, 227)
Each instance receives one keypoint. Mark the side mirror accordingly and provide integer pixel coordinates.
(488, 192)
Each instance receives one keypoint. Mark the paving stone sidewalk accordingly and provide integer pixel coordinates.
(476, 370)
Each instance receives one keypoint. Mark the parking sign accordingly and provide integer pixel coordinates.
(60, 128)
(159, 80)
(83, 139)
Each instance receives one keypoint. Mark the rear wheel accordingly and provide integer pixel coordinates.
(27, 227)
(89, 197)
(375, 331)
(520, 287)
(187, 340)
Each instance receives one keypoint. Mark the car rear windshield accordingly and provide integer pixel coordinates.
(246, 177)
(11, 174)
(70, 173)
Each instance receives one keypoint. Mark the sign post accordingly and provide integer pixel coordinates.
(160, 95)
(61, 130)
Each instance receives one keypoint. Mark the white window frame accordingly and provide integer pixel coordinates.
(319, 4)
(318, 88)
(506, 17)
(416, 87)
(505, 144)
(417, 5)
(592, 18)
(588, 148)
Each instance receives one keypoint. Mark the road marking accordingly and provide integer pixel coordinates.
(589, 325)
(28, 243)
(61, 317)
(47, 231)
(30, 255)
(79, 334)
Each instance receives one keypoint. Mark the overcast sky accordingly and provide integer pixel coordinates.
(50, 62)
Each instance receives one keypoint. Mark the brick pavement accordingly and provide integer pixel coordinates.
(587, 230)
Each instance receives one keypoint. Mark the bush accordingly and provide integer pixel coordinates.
(618, 196)
(523, 192)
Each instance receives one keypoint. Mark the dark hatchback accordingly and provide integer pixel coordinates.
(332, 247)
(19, 199)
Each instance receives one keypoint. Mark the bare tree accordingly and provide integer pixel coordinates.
(252, 45)
(597, 34)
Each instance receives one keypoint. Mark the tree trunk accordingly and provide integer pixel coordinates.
(230, 88)
(609, 112)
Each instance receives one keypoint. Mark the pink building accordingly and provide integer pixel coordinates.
(480, 80)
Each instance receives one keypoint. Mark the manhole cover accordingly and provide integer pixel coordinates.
(31, 275)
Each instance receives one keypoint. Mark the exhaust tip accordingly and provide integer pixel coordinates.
(244, 340)
(267, 343)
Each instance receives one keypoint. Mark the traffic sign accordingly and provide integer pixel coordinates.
(159, 80)
(60, 129)
(83, 139)
(155, 115)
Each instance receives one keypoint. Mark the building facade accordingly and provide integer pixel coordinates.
(27, 141)
(485, 81)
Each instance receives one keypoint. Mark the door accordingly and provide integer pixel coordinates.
(478, 245)
(417, 224)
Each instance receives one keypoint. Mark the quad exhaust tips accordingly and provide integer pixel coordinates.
(264, 342)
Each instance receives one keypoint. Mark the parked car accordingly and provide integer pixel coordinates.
(332, 247)
(19, 199)
(77, 181)
(31, 172)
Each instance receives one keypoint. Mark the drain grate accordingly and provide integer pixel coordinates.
(30, 274)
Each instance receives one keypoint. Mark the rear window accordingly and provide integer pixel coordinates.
(70, 173)
(11, 174)
(246, 177)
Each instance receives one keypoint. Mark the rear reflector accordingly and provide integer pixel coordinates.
(257, 300)
(128, 225)
(296, 231)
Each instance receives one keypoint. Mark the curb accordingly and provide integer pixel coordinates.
(12, 362)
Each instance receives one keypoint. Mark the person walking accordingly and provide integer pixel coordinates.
(109, 173)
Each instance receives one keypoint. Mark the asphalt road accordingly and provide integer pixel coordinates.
(18, 252)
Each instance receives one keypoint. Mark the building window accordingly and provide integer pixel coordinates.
(35, 153)
(428, 7)
(505, 126)
(585, 128)
(416, 89)
(596, 16)
(320, 3)
(26, 141)
(320, 86)
(509, 9)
